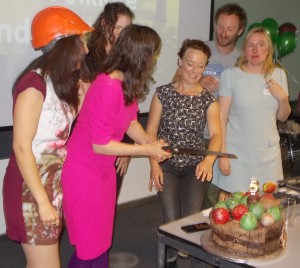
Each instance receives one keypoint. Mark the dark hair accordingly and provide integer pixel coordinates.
(103, 33)
(194, 44)
(233, 9)
(64, 65)
(134, 54)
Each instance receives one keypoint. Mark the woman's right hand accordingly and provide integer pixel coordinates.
(156, 178)
(210, 83)
(224, 166)
(155, 151)
(48, 214)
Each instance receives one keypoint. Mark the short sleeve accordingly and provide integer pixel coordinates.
(163, 92)
(31, 79)
(279, 76)
(104, 98)
(225, 88)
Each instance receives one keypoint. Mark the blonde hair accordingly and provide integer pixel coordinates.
(269, 64)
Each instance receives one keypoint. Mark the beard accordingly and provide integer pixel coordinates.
(225, 41)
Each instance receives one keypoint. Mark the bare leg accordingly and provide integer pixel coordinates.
(42, 256)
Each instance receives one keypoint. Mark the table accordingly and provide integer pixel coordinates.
(170, 234)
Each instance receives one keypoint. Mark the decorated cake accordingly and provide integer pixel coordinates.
(248, 225)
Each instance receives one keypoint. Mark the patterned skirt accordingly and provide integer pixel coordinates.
(23, 222)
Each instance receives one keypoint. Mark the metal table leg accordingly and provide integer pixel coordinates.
(161, 253)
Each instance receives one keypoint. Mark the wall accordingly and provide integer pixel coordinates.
(281, 11)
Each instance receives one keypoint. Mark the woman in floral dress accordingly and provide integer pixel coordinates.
(46, 98)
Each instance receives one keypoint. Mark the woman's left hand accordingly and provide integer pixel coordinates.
(122, 164)
(204, 171)
(224, 166)
(276, 90)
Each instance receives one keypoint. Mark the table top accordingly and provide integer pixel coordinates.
(290, 257)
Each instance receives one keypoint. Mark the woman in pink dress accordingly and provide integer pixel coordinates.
(112, 20)
(46, 99)
(108, 112)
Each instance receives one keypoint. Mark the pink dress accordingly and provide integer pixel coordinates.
(89, 179)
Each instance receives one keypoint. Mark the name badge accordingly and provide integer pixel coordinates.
(266, 92)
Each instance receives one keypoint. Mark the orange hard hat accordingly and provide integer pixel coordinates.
(56, 22)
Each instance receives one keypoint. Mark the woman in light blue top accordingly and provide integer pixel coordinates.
(252, 96)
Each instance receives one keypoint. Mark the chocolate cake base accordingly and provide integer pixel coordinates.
(230, 237)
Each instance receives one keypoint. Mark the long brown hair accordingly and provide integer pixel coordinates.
(64, 64)
(103, 33)
(134, 54)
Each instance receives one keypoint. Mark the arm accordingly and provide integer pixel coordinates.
(123, 149)
(83, 87)
(26, 117)
(156, 175)
(282, 97)
(137, 133)
(204, 168)
(225, 102)
(284, 109)
(122, 162)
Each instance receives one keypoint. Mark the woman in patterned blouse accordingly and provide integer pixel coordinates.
(178, 114)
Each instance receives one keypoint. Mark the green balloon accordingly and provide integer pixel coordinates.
(254, 25)
(286, 44)
(270, 21)
(271, 27)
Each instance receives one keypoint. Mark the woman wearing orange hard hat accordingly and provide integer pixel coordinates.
(47, 96)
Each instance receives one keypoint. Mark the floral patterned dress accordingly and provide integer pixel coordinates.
(21, 213)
